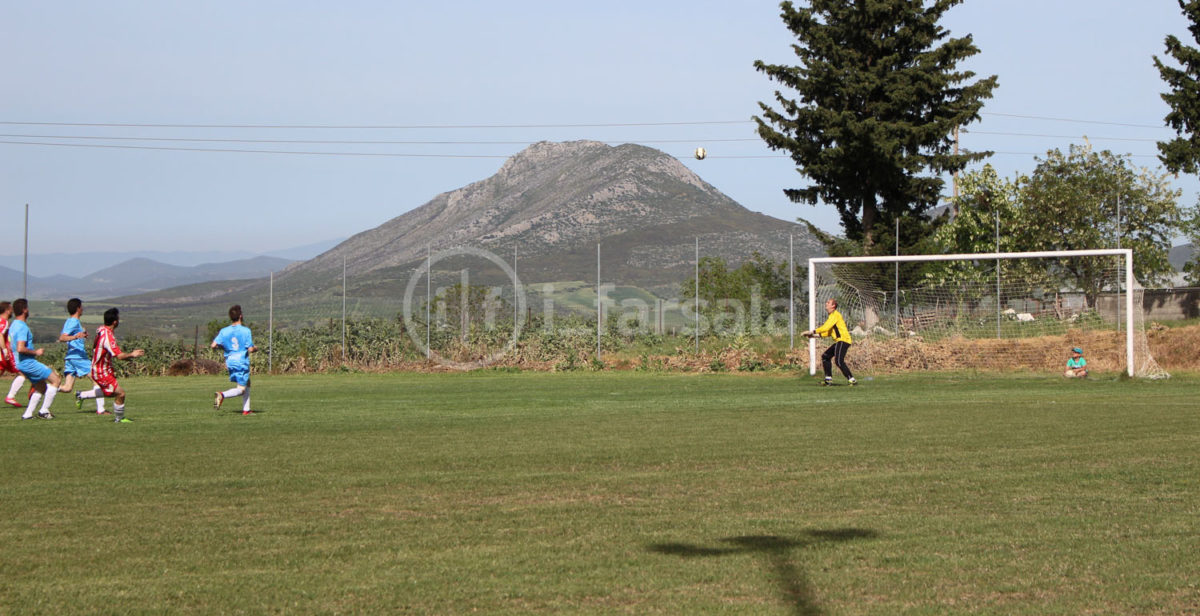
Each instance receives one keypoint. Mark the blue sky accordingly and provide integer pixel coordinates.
(507, 73)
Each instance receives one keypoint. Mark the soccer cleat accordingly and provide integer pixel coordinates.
(853, 382)
(218, 401)
(11, 402)
(827, 383)
(104, 412)
(247, 412)
(78, 401)
(123, 420)
(46, 415)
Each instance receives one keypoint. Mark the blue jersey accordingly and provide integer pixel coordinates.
(236, 341)
(17, 332)
(75, 348)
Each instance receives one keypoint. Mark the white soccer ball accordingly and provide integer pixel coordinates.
(700, 153)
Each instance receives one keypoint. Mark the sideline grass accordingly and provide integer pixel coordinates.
(601, 493)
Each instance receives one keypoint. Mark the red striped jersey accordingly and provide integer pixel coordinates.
(103, 351)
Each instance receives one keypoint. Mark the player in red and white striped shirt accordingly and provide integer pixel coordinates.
(104, 350)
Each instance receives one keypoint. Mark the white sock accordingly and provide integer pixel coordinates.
(91, 393)
(34, 398)
(51, 391)
(232, 393)
(16, 386)
(246, 399)
(118, 412)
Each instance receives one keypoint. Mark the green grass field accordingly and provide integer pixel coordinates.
(605, 493)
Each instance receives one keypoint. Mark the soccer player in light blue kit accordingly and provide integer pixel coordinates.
(77, 364)
(237, 343)
(42, 379)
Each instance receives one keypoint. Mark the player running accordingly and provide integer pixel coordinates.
(835, 327)
(42, 378)
(237, 343)
(76, 364)
(7, 362)
(104, 350)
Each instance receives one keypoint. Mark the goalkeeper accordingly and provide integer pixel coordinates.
(834, 327)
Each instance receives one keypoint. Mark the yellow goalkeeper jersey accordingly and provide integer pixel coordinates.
(835, 326)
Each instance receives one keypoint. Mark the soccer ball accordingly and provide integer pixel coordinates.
(700, 153)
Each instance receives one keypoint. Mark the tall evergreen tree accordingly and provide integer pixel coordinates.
(878, 97)
(1182, 154)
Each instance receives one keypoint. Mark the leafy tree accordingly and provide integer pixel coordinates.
(758, 275)
(877, 98)
(1190, 227)
(1182, 154)
(984, 198)
(1070, 203)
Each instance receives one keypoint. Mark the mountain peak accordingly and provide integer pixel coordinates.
(550, 197)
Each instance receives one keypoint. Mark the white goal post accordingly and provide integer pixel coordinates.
(1126, 298)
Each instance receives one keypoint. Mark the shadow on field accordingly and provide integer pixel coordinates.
(778, 554)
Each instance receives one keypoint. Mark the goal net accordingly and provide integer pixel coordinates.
(986, 312)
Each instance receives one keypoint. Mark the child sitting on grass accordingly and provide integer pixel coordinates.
(1077, 365)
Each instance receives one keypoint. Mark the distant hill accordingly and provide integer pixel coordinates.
(1180, 255)
(138, 275)
(80, 264)
(143, 275)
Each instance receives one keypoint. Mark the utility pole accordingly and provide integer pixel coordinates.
(956, 173)
(897, 289)
(25, 270)
(343, 308)
(697, 315)
(599, 305)
(791, 294)
(270, 325)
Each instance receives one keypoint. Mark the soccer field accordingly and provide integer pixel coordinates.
(609, 492)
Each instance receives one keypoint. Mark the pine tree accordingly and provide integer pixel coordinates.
(1182, 154)
(878, 97)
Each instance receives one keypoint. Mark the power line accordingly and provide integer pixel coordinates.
(1074, 120)
(347, 141)
(370, 126)
(1088, 137)
(503, 126)
(394, 154)
(1043, 154)
(294, 152)
(248, 151)
(525, 142)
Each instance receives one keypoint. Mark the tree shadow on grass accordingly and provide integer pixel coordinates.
(791, 580)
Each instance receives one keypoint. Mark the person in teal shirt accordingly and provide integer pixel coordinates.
(1077, 365)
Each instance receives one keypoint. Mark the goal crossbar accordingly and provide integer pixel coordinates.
(1125, 253)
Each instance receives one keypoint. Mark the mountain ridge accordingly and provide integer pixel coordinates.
(554, 197)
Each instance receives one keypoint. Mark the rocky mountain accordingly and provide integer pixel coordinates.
(553, 202)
